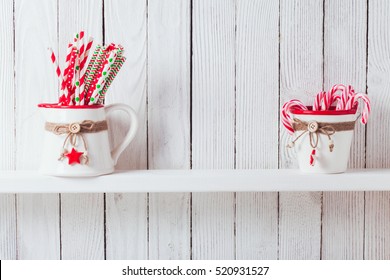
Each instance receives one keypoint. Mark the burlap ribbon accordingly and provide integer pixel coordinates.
(74, 131)
(314, 128)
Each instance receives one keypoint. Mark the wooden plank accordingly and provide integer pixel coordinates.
(82, 226)
(169, 123)
(82, 220)
(169, 226)
(300, 77)
(257, 225)
(7, 227)
(343, 225)
(126, 226)
(7, 86)
(213, 117)
(257, 77)
(301, 214)
(377, 226)
(377, 229)
(125, 23)
(7, 122)
(38, 215)
(38, 226)
(345, 63)
(213, 226)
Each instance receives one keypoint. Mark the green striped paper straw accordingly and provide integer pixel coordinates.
(87, 80)
(114, 71)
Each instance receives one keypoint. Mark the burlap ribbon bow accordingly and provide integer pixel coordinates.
(315, 128)
(74, 131)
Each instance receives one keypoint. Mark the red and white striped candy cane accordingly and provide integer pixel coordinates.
(327, 100)
(321, 101)
(317, 101)
(343, 96)
(285, 113)
(354, 101)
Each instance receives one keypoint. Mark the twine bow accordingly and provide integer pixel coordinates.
(313, 128)
(74, 131)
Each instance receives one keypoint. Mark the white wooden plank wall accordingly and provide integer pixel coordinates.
(345, 53)
(169, 123)
(257, 70)
(126, 214)
(207, 79)
(7, 122)
(38, 216)
(300, 77)
(213, 118)
(82, 215)
(377, 218)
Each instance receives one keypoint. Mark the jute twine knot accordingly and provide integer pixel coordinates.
(74, 131)
(314, 129)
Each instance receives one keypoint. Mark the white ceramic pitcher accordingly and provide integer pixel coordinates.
(76, 142)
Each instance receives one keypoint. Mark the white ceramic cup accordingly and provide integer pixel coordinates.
(101, 160)
(325, 161)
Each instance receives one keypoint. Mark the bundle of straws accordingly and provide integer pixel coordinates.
(339, 97)
(83, 86)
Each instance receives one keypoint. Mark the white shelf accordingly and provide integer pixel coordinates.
(197, 181)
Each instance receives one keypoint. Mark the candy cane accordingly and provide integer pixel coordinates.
(354, 101)
(341, 102)
(317, 101)
(285, 113)
(322, 101)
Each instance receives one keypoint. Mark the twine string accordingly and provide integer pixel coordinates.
(327, 129)
(74, 131)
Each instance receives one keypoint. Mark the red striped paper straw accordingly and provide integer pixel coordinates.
(55, 64)
(81, 46)
(68, 81)
(67, 65)
(86, 53)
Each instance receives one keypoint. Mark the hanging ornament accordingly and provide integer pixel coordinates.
(313, 157)
(74, 157)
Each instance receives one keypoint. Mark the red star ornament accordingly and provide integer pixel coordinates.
(74, 157)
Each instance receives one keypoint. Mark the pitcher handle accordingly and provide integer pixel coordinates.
(133, 126)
